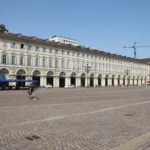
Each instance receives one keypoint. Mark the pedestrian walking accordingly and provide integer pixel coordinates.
(29, 92)
(32, 92)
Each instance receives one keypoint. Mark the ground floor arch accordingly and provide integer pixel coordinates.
(21, 75)
(99, 80)
(3, 73)
(92, 80)
(128, 82)
(73, 79)
(62, 76)
(50, 78)
(36, 76)
(106, 80)
(113, 80)
(133, 80)
(83, 80)
(118, 80)
(124, 80)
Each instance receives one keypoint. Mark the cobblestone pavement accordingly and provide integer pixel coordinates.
(76, 119)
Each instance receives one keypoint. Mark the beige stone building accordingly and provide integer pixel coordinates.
(58, 64)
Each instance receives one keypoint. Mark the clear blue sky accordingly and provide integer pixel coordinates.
(103, 24)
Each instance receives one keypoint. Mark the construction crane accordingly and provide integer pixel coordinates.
(134, 46)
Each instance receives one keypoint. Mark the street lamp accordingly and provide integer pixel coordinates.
(87, 69)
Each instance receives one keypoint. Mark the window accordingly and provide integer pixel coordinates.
(29, 61)
(56, 51)
(22, 46)
(50, 50)
(29, 47)
(4, 60)
(56, 63)
(13, 60)
(36, 48)
(21, 60)
(43, 62)
(50, 63)
(62, 64)
(36, 62)
(4, 44)
(43, 49)
(13, 45)
(68, 64)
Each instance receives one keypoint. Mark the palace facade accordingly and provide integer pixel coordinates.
(58, 64)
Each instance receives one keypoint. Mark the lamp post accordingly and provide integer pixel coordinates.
(87, 69)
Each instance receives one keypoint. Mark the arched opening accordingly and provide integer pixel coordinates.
(49, 78)
(119, 80)
(83, 80)
(91, 80)
(145, 79)
(106, 80)
(36, 76)
(137, 81)
(133, 80)
(20, 76)
(141, 80)
(124, 83)
(128, 81)
(73, 79)
(112, 80)
(100, 80)
(62, 79)
(3, 75)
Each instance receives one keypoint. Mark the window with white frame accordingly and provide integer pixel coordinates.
(21, 60)
(21, 46)
(29, 47)
(29, 61)
(36, 48)
(36, 62)
(50, 63)
(43, 62)
(13, 45)
(13, 60)
(56, 63)
(4, 59)
(68, 64)
(62, 63)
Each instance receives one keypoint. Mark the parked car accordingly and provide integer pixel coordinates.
(70, 86)
(48, 86)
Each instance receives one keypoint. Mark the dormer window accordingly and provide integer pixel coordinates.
(22, 46)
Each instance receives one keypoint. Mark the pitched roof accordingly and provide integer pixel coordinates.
(45, 42)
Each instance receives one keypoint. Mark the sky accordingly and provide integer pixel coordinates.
(105, 25)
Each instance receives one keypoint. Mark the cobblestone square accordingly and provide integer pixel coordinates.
(112, 118)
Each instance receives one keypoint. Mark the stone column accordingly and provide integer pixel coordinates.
(43, 80)
(103, 81)
(67, 81)
(115, 81)
(95, 82)
(56, 81)
(78, 82)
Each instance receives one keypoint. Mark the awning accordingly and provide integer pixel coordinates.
(16, 80)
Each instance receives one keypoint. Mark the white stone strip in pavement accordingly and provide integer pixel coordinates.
(85, 113)
(135, 143)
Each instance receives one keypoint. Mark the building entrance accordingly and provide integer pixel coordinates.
(62, 79)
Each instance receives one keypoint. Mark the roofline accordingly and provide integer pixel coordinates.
(34, 40)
